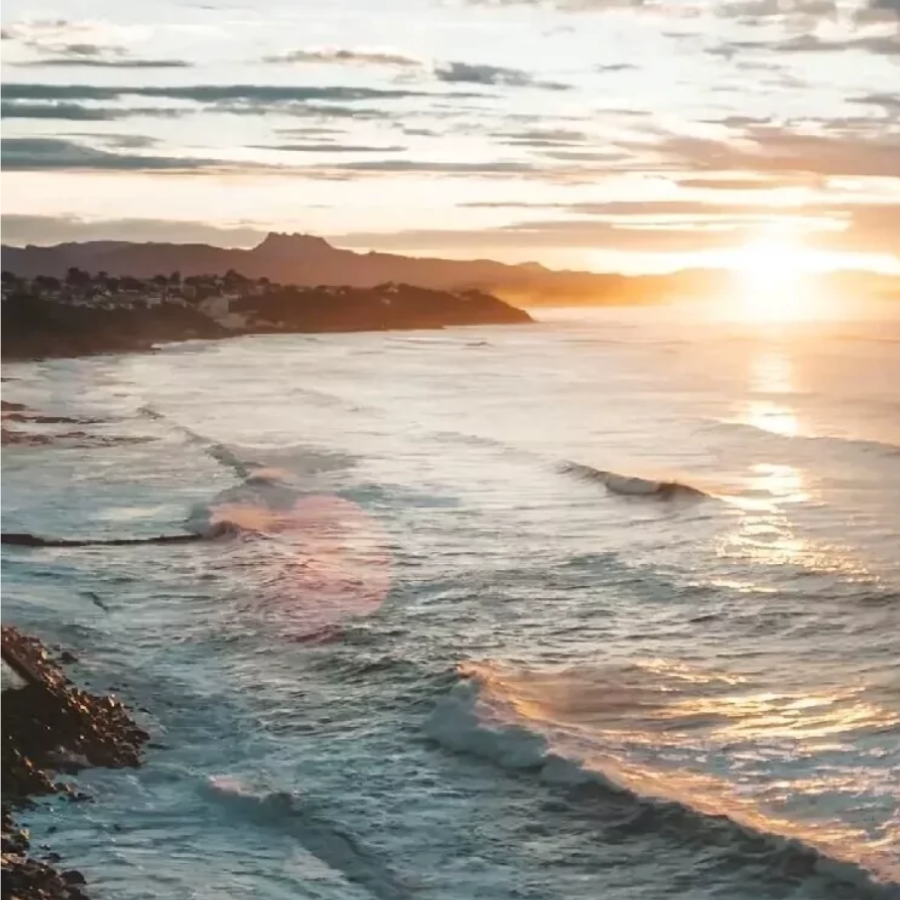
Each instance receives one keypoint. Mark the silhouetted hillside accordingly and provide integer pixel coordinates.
(309, 260)
(48, 316)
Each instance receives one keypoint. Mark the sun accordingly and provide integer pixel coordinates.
(770, 279)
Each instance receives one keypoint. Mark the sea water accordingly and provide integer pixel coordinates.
(445, 637)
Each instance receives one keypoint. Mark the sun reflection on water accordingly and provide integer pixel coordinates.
(633, 723)
(774, 417)
(771, 371)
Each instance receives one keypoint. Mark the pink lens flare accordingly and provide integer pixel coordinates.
(325, 559)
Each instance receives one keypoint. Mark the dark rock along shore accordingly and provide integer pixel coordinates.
(49, 727)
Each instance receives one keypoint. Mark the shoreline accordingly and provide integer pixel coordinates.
(86, 319)
(9, 355)
(51, 728)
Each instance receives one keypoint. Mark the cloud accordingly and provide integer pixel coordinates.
(78, 112)
(210, 93)
(866, 229)
(656, 209)
(498, 167)
(299, 110)
(587, 234)
(469, 73)
(342, 57)
(746, 11)
(125, 141)
(39, 154)
(878, 44)
(752, 12)
(511, 204)
(109, 63)
(543, 137)
(588, 156)
(85, 54)
(882, 44)
(450, 72)
(742, 184)
(328, 147)
(871, 229)
(75, 112)
(781, 150)
(306, 131)
(888, 102)
(579, 6)
(24, 229)
(880, 11)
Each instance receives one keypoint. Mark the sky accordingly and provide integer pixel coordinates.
(626, 135)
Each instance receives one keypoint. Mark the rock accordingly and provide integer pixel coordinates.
(48, 726)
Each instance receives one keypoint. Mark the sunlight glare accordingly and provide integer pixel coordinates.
(770, 280)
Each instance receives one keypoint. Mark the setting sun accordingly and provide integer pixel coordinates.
(770, 280)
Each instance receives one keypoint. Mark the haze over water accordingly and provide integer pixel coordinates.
(478, 673)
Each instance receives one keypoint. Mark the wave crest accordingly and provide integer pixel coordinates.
(633, 485)
(569, 728)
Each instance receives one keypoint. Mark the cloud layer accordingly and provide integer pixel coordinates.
(647, 126)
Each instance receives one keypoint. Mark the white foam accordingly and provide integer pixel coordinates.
(480, 717)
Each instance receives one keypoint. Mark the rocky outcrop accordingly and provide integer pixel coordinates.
(51, 726)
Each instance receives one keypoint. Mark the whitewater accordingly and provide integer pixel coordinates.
(604, 606)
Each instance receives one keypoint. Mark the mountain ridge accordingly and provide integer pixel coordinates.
(311, 260)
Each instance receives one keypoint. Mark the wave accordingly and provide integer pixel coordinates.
(310, 560)
(282, 462)
(836, 442)
(632, 485)
(337, 849)
(438, 342)
(568, 727)
(219, 452)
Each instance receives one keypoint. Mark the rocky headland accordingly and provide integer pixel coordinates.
(85, 314)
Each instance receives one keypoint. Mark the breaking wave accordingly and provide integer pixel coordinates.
(631, 485)
(600, 735)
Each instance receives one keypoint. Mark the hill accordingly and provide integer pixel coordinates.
(83, 314)
(309, 260)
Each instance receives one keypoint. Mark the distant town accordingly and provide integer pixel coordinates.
(89, 313)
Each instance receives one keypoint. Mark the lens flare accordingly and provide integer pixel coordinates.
(310, 564)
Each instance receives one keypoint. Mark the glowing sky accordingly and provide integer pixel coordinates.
(600, 134)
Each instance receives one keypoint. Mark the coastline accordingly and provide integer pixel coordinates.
(90, 318)
(51, 728)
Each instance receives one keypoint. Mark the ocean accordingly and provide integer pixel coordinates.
(445, 640)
